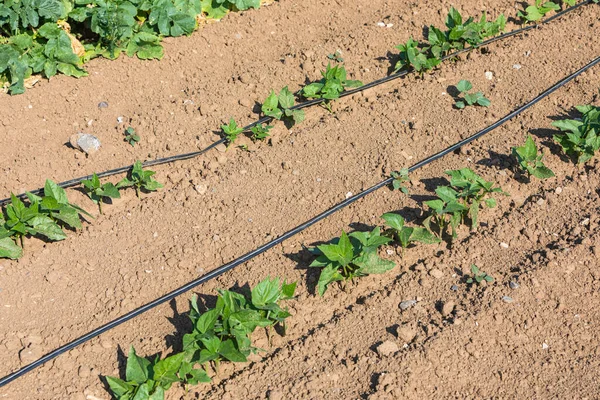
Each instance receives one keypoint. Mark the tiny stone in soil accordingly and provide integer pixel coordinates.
(507, 299)
(103, 104)
(406, 304)
(387, 348)
(454, 288)
(513, 285)
(447, 308)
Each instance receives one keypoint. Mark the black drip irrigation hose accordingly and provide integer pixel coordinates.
(306, 104)
(248, 256)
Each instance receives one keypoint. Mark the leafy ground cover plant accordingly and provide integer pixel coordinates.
(131, 136)
(140, 180)
(51, 36)
(280, 107)
(334, 82)
(98, 192)
(581, 138)
(529, 160)
(405, 235)
(459, 201)
(415, 56)
(231, 131)
(42, 217)
(478, 276)
(460, 33)
(337, 56)
(222, 333)
(470, 99)
(400, 179)
(537, 11)
(260, 132)
(350, 256)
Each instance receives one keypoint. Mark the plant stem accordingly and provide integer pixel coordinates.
(21, 240)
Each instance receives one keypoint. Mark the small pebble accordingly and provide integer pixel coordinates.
(348, 195)
(489, 75)
(447, 308)
(544, 346)
(558, 190)
(406, 304)
(381, 24)
(454, 288)
(216, 238)
(387, 348)
(504, 245)
(517, 66)
(513, 285)
(102, 104)
(87, 143)
(201, 189)
(120, 120)
(507, 299)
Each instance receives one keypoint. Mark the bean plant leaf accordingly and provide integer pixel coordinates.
(9, 249)
(137, 368)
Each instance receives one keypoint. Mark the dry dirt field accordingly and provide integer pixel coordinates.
(535, 339)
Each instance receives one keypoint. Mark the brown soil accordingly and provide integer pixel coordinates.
(543, 344)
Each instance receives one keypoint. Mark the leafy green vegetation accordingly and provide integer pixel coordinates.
(334, 82)
(459, 201)
(222, 333)
(400, 179)
(140, 180)
(469, 98)
(478, 276)
(415, 56)
(537, 11)
(231, 131)
(581, 139)
(43, 217)
(280, 107)
(260, 132)
(529, 160)
(98, 192)
(405, 235)
(51, 36)
(131, 136)
(350, 256)
(337, 56)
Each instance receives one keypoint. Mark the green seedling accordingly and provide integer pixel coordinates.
(8, 247)
(529, 160)
(231, 131)
(350, 256)
(140, 180)
(99, 192)
(337, 57)
(416, 57)
(266, 297)
(478, 276)
(459, 201)
(400, 179)
(260, 132)
(570, 3)
(405, 235)
(334, 82)
(131, 136)
(20, 220)
(581, 139)
(537, 11)
(150, 379)
(469, 98)
(461, 33)
(280, 107)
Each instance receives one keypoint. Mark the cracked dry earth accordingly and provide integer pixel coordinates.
(536, 338)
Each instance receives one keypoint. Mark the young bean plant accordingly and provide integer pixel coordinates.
(99, 192)
(405, 235)
(131, 136)
(581, 139)
(350, 256)
(280, 107)
(140, 180)
(260, 132)
(400, 179)
(470, 99)
(478, 276)
(529, 160)
(334, 82)
(413, 55)
(231, 131)
(537, 11)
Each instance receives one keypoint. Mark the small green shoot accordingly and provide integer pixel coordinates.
(131, 136)
(334, 82)
(400, 179)
(469, 98)
(140, 180)
(280, 107)
(415, 57)
(350, 256)
(99, 192)
(529, 160)
(337, 56)
(478, 276)
(581, 139)
(260, 132)
(534, 13)
(405, 235)
(231, 131)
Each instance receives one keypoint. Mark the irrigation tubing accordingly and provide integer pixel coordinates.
(248, 256)
(306, 104)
